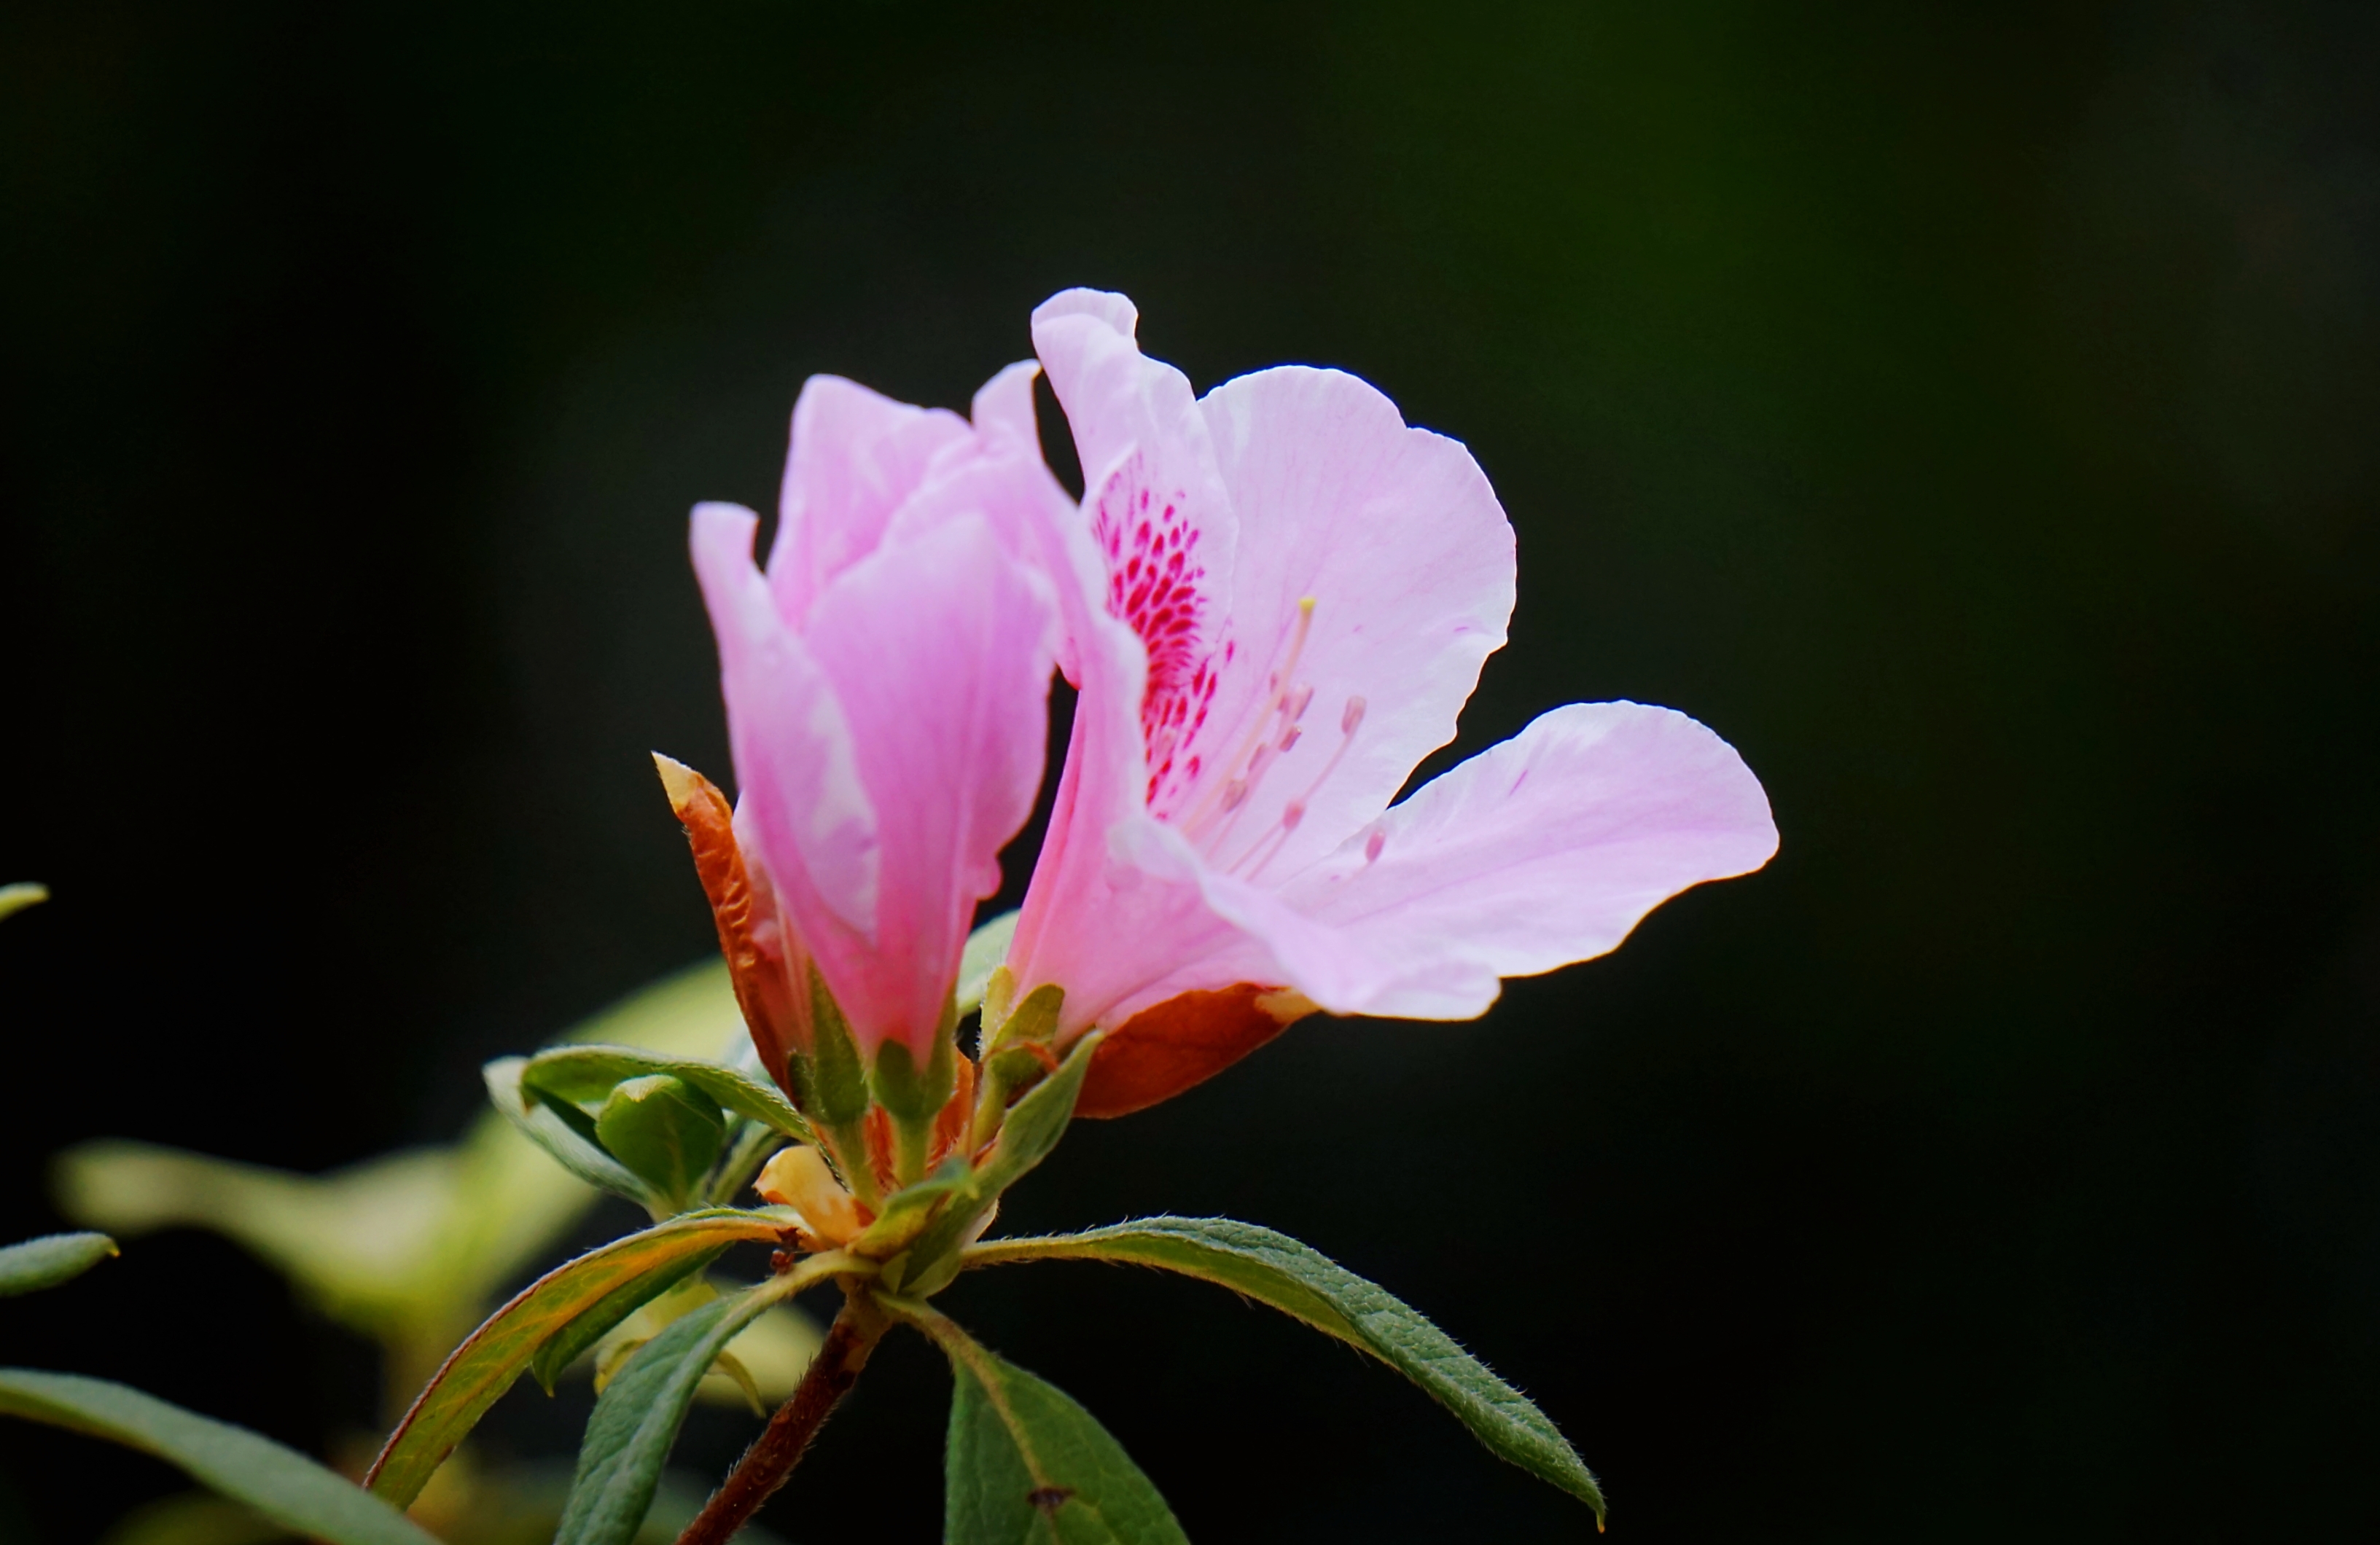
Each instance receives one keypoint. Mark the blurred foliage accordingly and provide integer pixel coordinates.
(411, 1250)
(17, 897)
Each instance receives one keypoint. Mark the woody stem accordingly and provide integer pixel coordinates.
(779, 1448)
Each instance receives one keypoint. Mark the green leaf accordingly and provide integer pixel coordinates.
(1032, 1130)
(585, 1075)
(1026, 1463)
(598, 1318)
(16, 898)
(636, 1420)
(986, 948)
(549, 1128)
(1300, 1282)
(278, 1482)
(485, 1365)
(666, 1131)
(51, 1259)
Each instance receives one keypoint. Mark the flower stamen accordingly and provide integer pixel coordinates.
(1244, 770)
(1351, 719)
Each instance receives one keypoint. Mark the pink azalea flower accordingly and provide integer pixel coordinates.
(887, 683)
(1277, 598)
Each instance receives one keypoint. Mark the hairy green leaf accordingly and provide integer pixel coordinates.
(585, 1075)
(51, 1259)
(1024, 1463)
(278, 1482)
(636, 1420)
(485, 1365)
(1277, 1270)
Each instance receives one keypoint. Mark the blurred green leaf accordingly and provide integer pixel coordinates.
(1032, 1130)
(16, 898)
(408, 1248)
(278, 1482)
(586, 1075)
(637, 1419)
(51, 1259)
(729, 1365)
(776, 1349)
(506, 1505)
(194, 1518)
(1308, 1285)
(748, 1148)
(986, 948)
(1024, 1462)
(487, 1363)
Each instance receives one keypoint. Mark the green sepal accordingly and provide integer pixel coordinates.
(600, 1318)
(835, 1081)
(1034, 1020)
(565, 1132)
(1026, 1463)
(1032, 1130)
(586, 1075)
(51, 1259)
(906, 1212)
(914, 1097)
(910, 1094)
(999, 993)
(248, 1467)
(664, 1131)
(487, 1363)
(1302, 1283)
(1013, 1055)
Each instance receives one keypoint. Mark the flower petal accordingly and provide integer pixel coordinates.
(857, 455)
(1541, 852)
(796, 770)
(1544, 850)
(937, 649)
(1396, 537)
(995, 472)
(1155, 509)
(1113, 399)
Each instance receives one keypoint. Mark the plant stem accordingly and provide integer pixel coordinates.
(779, 1448)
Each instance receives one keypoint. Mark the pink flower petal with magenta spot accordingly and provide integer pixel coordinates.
(1276, 599)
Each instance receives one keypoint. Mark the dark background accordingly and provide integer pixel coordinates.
(1971, 412)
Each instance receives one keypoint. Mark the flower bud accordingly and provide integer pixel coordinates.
(800, 1179)
(765, 960)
